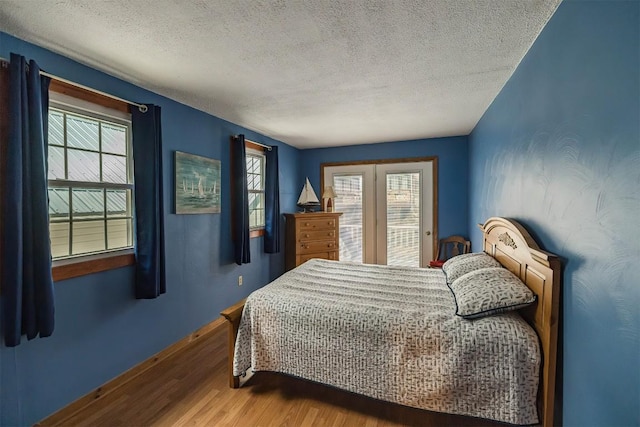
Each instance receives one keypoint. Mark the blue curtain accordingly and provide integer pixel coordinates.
(272, 203)
(147, 166)
(240, 201)
(27, 284)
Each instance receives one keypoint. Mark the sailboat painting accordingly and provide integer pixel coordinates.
(197, 184)
(308, 199)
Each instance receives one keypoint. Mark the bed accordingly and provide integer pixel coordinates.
(393, 334)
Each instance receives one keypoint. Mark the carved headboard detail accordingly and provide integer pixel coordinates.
(507, 240)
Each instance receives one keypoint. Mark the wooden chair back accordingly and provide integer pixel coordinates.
(452, 246)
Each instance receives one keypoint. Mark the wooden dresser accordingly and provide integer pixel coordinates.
(311, 235)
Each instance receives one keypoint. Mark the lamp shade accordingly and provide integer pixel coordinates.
(329, 193)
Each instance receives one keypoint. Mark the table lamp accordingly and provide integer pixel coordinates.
(329, 194)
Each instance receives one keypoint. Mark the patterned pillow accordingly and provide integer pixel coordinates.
(489, 291)
(462, 264)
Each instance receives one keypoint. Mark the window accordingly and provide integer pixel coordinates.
(255, 187)
(90, 179)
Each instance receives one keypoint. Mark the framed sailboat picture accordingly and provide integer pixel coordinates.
(197, 184)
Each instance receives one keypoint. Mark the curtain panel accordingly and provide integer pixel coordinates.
(27, 283)
(148, 190)
(240, 201)
(272, 203)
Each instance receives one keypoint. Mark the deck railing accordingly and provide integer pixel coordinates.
(403, 244)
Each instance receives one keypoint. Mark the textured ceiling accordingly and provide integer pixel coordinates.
(311, 73)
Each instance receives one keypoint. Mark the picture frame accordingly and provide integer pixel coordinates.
(197, 184)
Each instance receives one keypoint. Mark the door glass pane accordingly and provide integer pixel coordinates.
(403, 219)
(349, 201)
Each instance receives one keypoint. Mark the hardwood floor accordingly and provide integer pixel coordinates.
(190, 388)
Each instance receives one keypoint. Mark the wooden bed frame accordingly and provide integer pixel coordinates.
(508, 242)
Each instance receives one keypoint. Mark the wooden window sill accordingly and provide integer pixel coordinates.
(67, 269)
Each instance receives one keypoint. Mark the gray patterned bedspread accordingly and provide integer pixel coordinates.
(391, 333)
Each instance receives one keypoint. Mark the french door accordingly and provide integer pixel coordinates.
(387, 211)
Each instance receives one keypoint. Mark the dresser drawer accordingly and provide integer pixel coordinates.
(321, 255)
(317, 246)
(303, 236)
(317, 224)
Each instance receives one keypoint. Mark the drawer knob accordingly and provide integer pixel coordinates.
(330, 234)
(306, 224)
(330, 245)
(306, 235)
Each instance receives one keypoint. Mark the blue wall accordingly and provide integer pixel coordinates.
(101, 330)
(559, 149)
(453, 177)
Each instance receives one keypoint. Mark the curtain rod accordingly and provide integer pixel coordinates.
(143, 108)
(268, 147)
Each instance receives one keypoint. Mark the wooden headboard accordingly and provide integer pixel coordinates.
(509, 243)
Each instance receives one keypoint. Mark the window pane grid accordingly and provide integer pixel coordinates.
(86, 150)
(256, 209)
(255, 189)
(255, 173)
(59, 221)
(90, 191)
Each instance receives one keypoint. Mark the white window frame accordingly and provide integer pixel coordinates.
(75, 106)
(250, 152)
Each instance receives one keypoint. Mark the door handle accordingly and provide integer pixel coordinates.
(428, 233)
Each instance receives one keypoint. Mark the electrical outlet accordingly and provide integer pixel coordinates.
(239, 280)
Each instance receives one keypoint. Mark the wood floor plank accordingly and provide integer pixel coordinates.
(190, 388)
